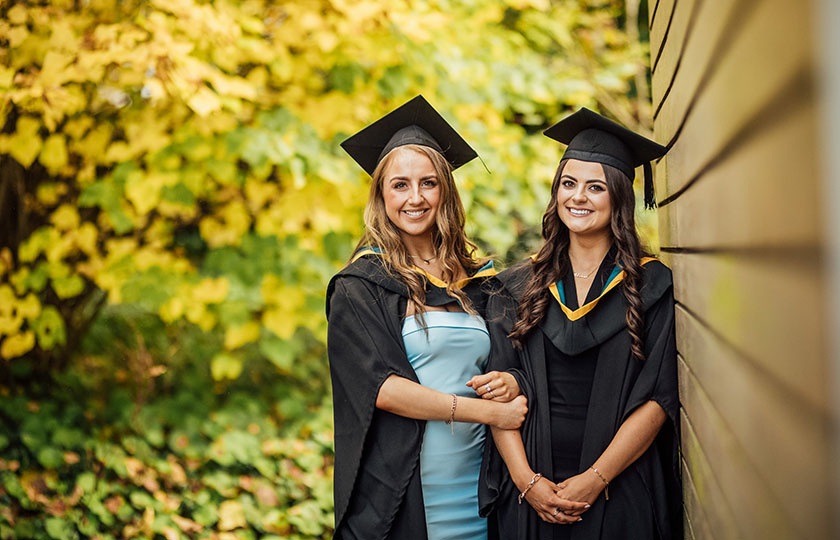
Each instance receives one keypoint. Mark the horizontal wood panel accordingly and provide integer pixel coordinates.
(761, 414)
(741, 507)
(653, 10)
(671, 50)
(711, 19)
(750, 199)
(695, 523)
(659, 28)
(767, 56)
(769, 310)
(715, 510)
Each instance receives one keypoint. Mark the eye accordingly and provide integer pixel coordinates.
(597, 188)
(430, 183)
(398, 185)
(569, 184)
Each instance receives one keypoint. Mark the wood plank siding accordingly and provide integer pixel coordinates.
(735, 98)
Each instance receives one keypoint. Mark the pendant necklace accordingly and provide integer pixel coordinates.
(427, 261)
(584, 275)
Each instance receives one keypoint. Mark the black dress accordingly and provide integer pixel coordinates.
(582, 382)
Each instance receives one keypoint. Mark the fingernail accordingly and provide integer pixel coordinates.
(587, 506)
(580, 519)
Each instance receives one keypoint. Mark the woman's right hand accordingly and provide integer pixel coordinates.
(495, 385)
(510, 415)
(549, 506)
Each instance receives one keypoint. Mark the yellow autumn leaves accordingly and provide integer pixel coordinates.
(183, 156)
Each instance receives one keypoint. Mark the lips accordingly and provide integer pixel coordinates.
(579, 212)
(415, 213)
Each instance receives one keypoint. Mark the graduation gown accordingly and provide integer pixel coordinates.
(651, 485)
(377, 484)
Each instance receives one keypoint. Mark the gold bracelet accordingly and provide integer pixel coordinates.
(529, 486)
(451, 420)
(606, 484)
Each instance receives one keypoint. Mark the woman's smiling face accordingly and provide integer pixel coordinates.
(583, 201)
(411, 192)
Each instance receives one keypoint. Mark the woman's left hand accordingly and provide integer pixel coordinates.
(495, 385)
(584, 487)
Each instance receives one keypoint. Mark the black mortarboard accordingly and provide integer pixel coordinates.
(592, 137)
(414, 122)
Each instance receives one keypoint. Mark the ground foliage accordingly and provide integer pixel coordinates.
(173, 201)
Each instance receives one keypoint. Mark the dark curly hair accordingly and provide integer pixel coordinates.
(552, 263)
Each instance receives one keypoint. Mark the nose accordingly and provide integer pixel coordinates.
(415, 197)
(580, 193)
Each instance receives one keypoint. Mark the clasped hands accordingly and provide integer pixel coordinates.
(560, 503)
(564, 502)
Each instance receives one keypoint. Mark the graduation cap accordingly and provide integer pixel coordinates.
(592, 137)
(414, 122)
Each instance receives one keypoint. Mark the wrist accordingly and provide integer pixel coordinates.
(600, 481)
(531, 483)
(521, 479)
(496, 413)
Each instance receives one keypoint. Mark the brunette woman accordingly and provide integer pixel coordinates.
(406, 333)
(587, 328)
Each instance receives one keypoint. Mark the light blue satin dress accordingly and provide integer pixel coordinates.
(456, 349)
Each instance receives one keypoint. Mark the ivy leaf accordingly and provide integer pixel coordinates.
(225, 366)
(307, 517)
(25, 144)
(50, 457)
(60, 529)
(281, 352)
(54, 153)
(17, 344)
(69, 286)
(231, 516)
(50, 329)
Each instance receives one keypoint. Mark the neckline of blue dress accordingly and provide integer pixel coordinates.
(444, 319)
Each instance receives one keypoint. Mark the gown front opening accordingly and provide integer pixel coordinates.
(570, 380)
(452, 349)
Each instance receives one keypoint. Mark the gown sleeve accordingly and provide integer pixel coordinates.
(363, 351)
(494, 482)
(657, 380)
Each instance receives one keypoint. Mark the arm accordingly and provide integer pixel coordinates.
(653, 401)
(542, 496)
(633, 438)
(407, 398)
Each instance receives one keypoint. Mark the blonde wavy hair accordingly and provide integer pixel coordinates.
(453, 248)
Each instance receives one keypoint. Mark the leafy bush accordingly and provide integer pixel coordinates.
(104, 453)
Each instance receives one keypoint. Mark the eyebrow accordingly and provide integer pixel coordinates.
(407, 178)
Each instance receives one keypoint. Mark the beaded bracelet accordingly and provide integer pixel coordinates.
(606, 484)
(529, 486)
(451, 420)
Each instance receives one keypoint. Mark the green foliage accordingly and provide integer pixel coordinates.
(174, 201)
(187, 464)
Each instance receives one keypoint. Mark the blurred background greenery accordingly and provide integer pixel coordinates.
(173, 201)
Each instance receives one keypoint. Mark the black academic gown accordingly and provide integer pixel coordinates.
(377, 484)
(648, 487)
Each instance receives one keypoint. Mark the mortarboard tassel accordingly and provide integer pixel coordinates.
(650, 197)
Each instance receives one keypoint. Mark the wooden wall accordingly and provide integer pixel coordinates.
(742, 227)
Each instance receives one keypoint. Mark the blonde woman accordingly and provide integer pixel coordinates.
(406, 337)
